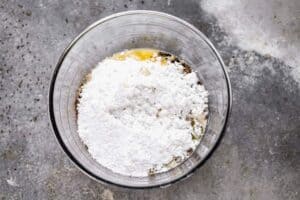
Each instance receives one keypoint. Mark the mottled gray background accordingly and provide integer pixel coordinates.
(259, 156)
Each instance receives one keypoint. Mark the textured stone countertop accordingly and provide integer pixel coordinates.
(259, 156)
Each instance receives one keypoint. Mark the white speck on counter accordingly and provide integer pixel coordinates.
(107, 195)
(137, 116)
(12, 181)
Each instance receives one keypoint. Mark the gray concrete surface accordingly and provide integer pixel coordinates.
(258, 158)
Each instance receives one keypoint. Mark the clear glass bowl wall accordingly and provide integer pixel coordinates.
(127, 30)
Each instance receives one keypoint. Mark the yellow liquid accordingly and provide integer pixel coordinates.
(141, 54)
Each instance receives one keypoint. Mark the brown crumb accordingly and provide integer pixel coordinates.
(194, 136)
(206, 116)
(177, 159)
(187, 118)
(186, 69)
(175, 59)
(164, 54)
(158, 111)
(86, 79)
(86, 147)
(192, 122)
(151, 172)
(189, 151)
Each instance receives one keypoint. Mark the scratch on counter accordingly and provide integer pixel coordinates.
(169, 2)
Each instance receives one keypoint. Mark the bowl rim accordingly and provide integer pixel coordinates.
(56, 71)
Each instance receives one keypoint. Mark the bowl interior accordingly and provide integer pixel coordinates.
(137, 29)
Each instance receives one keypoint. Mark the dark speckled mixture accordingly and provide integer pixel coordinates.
(258, 158)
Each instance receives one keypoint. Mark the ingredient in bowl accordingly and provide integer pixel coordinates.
(142, 112)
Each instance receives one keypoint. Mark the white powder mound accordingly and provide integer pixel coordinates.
(268, 27)
(135, 116)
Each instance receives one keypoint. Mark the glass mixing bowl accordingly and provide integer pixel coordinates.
(127, 30)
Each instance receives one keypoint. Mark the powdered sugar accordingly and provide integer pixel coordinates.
(141, 116)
